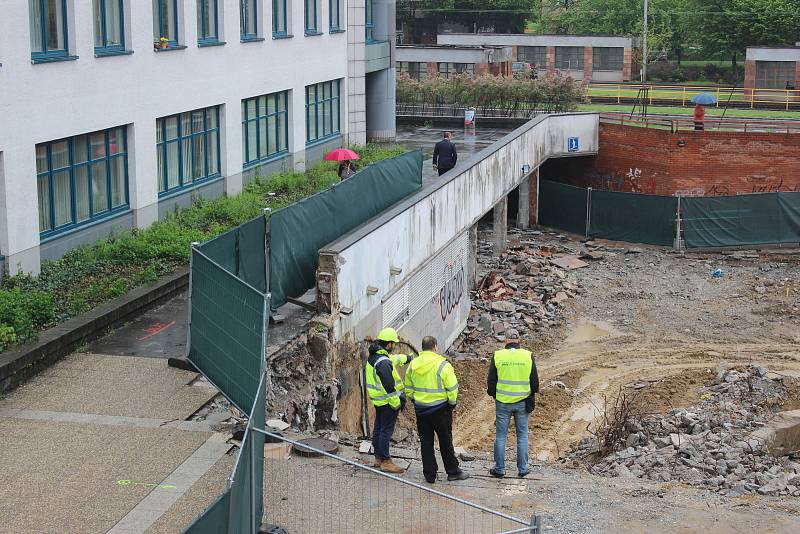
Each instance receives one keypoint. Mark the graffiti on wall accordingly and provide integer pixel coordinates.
(772, 185)
(630, 181)
(757, 185)
(452, 291)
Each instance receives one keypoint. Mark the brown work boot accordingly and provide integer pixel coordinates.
(377, 463)
(388, 466)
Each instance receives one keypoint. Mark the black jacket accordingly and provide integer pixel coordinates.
(444, 154)
(491, 380)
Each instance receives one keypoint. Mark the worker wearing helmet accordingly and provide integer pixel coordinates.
(385, 390)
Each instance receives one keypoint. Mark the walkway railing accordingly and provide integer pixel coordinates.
(332, 494)
(675, 123)
(682, 95)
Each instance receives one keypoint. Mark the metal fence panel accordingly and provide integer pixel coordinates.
(214, 520)
(241, 251)
(789, 204)
(731, 220)
(226, 329)
(633, 217)
(298, 231)
(247, 486)
(562, 206)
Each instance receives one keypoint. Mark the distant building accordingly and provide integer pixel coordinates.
(117, 112)
(594, 58)
(421, 61)
(772, 68)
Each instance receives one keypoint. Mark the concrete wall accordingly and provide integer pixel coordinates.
(647, 160)
(444, 54)
(529, 39)
(46, 102)
(360, 273)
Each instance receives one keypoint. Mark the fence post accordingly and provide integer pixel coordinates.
(192, 246)
(588, 211)
(678, 226)
(267, 212)
(253, 519)
(536, 524)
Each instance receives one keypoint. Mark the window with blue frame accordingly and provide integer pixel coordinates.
(109, 26)
(165, 23)
(368, 24)
(207, 22)
(265, 127)
(188, 149)
(322, 111)
(279, 17)
(312, 28)
(248, 19)
(81, 179)
(334, 10)
(48, 25)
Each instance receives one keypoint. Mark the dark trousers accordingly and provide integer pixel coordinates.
(440, 422)
(385, 419)
(443, 170)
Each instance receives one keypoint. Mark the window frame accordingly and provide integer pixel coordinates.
(203, 35)
(46, 53)
(94, 215)
(157, 39)
(284, 31)
(369, 22)
(245, 17)
(573, 51)
(163, 145)
(602, 57)
(535, 55)
(316, 104)
(105, 48)
(311, 30)
(280, 115)
(337, 26)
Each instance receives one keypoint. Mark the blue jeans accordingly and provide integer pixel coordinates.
(503, 414)
(385, 419)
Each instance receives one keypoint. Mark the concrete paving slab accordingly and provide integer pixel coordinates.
(63, 477)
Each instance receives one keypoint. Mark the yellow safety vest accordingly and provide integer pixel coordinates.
(431, 380)
(513, 374)
(377, 393)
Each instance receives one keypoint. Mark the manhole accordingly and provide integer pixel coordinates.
(321, 444)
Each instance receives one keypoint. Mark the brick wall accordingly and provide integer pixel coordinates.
(646, 160)
(627, 64)
(749, 76)
(588, 60)
(551, 59)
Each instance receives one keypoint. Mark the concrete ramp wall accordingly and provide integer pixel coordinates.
(409, 267)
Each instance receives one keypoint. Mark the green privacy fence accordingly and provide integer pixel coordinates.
(300, 230)
(760, 218)
(741, 220)
(242, 252)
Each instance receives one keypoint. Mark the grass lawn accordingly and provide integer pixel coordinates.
(685, 93)
(710, 111)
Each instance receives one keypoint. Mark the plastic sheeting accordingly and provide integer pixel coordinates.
(562, 206)
(214, 519)
(300, 230)
(741, 220)
(247, 488)
(241, 252)
(633, 217)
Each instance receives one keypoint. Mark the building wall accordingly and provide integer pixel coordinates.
(754, 55)
(46, 102)
(646, 160)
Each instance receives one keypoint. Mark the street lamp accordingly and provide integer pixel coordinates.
(644, 46)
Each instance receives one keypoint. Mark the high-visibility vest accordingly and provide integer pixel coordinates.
(431, 380)
(513, 375)
(377, 393)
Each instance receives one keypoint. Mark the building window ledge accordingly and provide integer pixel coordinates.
(336, 30)
(58, 233)
(251, 39)
(312, 33)
(210, 42)
(175, 191)
(52, 59)
(108, 52)
(269, 159)
(171, 48)
(321, 140)
(282, 35)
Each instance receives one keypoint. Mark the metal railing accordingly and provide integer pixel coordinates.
(743, 97)
(675, 123)
(332, 494)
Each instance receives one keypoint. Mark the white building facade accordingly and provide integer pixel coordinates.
(114, 113)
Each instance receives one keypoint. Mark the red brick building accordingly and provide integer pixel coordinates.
(422, 61)
(774, 70)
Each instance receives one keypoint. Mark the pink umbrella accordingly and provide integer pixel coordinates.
(341, 154)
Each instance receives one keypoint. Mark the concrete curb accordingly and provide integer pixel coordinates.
(19, 364)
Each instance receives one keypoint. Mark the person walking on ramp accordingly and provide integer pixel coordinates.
(513, 381)
(431, 383)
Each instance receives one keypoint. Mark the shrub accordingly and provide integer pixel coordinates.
(25, 312)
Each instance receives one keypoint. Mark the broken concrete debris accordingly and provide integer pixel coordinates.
(732, 441)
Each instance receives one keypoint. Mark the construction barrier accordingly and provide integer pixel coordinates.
(760, 218)
(300, 230)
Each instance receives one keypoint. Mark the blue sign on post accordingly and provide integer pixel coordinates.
(572, 144)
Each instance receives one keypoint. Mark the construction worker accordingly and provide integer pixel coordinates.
(385, 390)
(431, 383)
(513, 381)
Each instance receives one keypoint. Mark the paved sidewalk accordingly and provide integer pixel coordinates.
(97, 441)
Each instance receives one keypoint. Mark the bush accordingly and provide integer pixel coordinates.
(719, 74)
(91, 274)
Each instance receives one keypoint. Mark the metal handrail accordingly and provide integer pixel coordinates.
(682, 122)
(374, 471)
(683, 93)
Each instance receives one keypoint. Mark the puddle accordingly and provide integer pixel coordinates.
(587, 331)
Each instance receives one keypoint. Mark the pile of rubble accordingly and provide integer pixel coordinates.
(523, 290)
(727, 442)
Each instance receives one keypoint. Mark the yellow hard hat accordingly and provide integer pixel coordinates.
(388, 334)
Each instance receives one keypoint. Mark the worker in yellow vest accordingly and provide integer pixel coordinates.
(431, 383)
(513, 381)
(386, 391)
